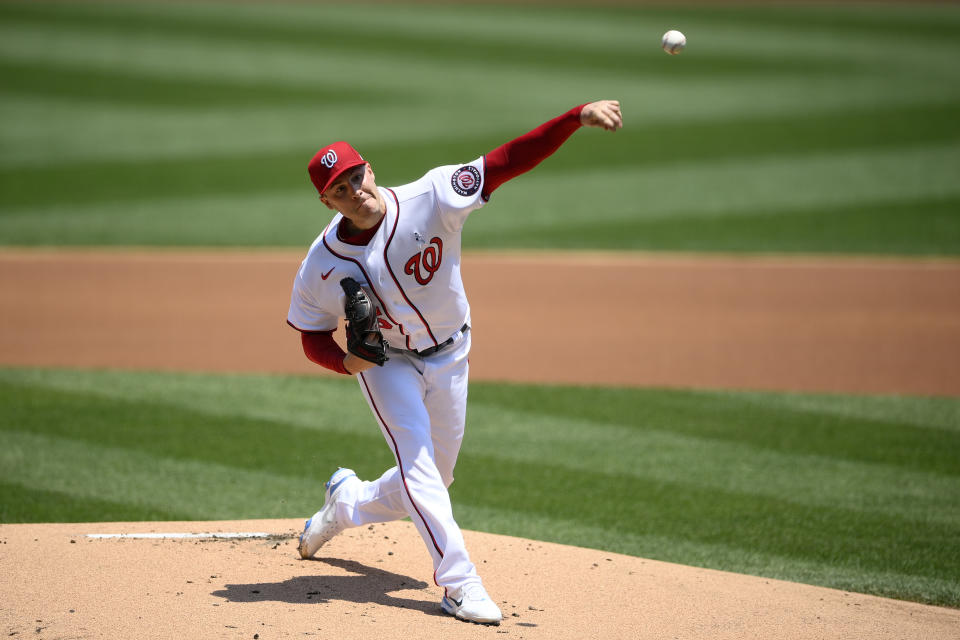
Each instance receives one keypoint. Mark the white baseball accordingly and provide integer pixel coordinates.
(674, 42)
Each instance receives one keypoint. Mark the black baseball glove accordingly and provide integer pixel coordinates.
(364, 339)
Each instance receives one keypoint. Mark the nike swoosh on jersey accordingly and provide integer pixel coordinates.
(327, 274)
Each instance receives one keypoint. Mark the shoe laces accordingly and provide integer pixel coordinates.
(474, 592)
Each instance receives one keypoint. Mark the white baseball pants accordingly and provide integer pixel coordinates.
(420, 405)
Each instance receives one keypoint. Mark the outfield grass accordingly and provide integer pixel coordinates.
(811, 129)
(859, 493)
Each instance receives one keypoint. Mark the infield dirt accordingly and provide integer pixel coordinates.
(777, 323)
(884, 326)
(372, 583)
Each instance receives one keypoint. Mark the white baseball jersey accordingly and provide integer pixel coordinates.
(417, 244)
(411, 267)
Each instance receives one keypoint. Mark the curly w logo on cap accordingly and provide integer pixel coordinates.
(330, 162)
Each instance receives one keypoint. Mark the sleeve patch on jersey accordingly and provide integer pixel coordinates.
(466, 180)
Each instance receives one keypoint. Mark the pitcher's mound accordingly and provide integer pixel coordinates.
(375, 582)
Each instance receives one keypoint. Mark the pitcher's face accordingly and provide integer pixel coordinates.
(355, 195)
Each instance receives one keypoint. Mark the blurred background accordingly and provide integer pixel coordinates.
(809, 129)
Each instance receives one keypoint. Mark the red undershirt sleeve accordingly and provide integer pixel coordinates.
(519, 156)
(322, 350)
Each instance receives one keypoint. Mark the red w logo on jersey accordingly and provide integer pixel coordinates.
(429, 259)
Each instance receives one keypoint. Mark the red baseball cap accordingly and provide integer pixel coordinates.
(330, 162)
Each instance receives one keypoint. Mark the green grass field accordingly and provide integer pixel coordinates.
(806, 128)
(815, 129)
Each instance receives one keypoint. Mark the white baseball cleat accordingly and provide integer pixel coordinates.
(319, 529)
(473, 605)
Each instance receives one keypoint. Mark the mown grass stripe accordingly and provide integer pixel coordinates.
(169, 431)
(727, 418)
(892, 21)
(657, 453)
(293, 400)
(224, 221)
(908, 226)
(191, 489)
(20, 503)
(915, 412)
(74, 133)
(122, 87)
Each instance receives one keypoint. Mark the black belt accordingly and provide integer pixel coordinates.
(446, 343)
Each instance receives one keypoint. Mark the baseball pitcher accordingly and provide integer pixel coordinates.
(389, 264)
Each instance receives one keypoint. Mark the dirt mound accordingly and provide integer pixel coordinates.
(375, 582)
